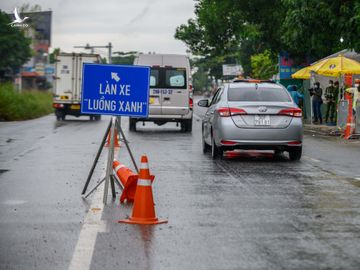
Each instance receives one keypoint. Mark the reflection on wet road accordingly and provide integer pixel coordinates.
(251, 210)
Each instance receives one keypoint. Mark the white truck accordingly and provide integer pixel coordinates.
(67, 83)
(171, 93)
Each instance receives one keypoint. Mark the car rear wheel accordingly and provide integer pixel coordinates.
(215, 151)
(205, 146)
(295, 154)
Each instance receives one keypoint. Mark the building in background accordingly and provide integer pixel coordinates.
(37, 73)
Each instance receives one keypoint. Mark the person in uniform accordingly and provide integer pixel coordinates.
(330, 97)
(316, 93)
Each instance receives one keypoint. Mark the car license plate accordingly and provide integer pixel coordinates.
(75, 107)
(262, 120)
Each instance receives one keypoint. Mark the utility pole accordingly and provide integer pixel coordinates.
(109, 47)
(91, 48)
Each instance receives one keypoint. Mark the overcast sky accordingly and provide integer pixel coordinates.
(137, 25)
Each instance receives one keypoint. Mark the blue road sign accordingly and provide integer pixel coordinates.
(115, 90)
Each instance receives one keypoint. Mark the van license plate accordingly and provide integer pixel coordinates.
(262, 120)
(75, 107)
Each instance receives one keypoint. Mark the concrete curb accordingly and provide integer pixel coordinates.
(322, 130)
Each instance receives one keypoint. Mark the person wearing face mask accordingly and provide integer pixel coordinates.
(330, 96)
(316, 93)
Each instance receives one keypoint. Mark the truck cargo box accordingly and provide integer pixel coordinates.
(67, 83)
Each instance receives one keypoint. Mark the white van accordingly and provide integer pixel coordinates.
(171, 96)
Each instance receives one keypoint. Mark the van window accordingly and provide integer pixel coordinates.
(175, 78)
(154, 77)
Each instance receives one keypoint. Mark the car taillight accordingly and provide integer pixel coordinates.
(191, 103)
(224, 142)
(58, 105)
(226, 112)
(294, 112)
(294, 143)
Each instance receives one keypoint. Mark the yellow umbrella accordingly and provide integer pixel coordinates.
(336, 66)
(303, 73)
(333, 67)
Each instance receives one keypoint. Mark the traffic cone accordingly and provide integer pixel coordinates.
(127, 179)
(116, 139)
(143, 210)
(349, 123)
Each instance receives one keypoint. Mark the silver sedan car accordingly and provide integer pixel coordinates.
(252, 114)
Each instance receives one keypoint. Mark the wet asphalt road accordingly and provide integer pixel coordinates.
(248, 211)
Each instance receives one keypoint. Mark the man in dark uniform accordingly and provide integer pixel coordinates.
(316, 94)
(330, 97)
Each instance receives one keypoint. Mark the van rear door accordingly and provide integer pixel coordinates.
(175, 93)
(155, 91)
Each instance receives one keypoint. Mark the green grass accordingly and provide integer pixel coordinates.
(16, 106)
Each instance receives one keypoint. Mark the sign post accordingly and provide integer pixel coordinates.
(118, 91)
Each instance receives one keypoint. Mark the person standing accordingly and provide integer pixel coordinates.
(296, 96)
(330, 97)
(316, 93)
(355, 91)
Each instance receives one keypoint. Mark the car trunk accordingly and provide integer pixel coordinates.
(261, 115)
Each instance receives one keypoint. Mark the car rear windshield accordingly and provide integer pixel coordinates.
(260, 94)
(168, 77)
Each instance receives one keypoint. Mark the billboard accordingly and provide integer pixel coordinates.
(232, 70)
(287, 66)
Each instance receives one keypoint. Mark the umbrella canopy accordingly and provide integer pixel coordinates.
(334, 67)
(303, 73)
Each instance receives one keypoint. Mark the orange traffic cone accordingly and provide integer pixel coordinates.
(349, 123)
(143, 210)
(127, 179)
(116, 139)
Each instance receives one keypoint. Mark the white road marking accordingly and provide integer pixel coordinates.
(13, 202)
(93, 224)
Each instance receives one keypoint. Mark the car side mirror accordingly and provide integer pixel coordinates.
(203, 103)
